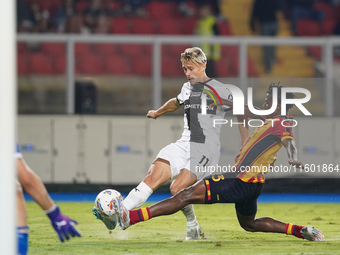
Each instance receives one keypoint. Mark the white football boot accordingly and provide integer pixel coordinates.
(123, 215)
(312, 234)
(109, 221)
(194, 232)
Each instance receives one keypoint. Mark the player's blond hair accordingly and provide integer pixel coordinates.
(194, 55)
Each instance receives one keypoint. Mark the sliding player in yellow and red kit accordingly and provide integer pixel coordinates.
(242, 186)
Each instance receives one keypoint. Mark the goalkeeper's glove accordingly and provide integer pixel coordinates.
(64, 226)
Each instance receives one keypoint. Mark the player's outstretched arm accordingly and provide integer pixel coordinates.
(292, 153)
(170, 106)
(33, 185)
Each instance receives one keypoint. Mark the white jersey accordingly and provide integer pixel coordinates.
(200, 127)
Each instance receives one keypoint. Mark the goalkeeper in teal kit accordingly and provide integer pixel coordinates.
(64, 226)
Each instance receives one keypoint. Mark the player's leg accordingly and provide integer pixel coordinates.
(193, 195)
(158, 174)
(267, 224)
(262, 224)
(182, 181)
(167, 165)
(22, 228)
(199, 155)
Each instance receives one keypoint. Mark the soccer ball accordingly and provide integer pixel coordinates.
(106, 202)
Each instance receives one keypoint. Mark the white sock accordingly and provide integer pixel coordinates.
(138, 196)
(189, 213)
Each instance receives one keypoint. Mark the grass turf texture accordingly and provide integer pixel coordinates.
(166, 234)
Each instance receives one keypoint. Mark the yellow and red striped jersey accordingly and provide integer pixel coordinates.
(260, 149)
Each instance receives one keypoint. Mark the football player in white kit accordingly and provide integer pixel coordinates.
(199, 145)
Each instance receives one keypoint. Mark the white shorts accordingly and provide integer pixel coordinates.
(188, 155)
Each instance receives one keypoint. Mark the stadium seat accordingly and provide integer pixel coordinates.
(22, 67)
(22, 48)
(337, 59)
(160, 10)
(131, 49)
(104, 48)
(315, 51)
(60, 64)
(147, 49)
(171, 66)
(43, 4)
(54, 49)
(337, 13)
(117, 65)
(307, 27)
(112, 5)
(223, 28)
(120, 25)
(327, 26)
(234, 66)
(251, 68)
(143, 26)
(168, 26)
(177, 49)
(53, 6)
(228, 51)
(250, 65)
(141, 65)
(40, 64)
(326, 8)
(82, 49)
(91, 64)
(223, 67)
(81, 5)
(188, 26)
(165, 50)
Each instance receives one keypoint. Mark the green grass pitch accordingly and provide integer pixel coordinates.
(166, 235)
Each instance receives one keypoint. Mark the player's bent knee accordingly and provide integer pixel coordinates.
(192, 195)
(185, 196)
(248, 226)
(174, 189)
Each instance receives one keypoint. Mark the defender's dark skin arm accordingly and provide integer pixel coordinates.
(291, 149)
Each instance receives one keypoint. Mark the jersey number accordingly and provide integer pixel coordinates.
(204, 161)
(217, 178)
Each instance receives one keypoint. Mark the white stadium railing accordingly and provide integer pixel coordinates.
(327, 43)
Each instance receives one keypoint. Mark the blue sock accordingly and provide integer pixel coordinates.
(22, 234)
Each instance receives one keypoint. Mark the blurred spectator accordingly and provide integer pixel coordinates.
(103, 25)
(31, 17)
(64, 13)
(206, 26)
(75, 25)
(92, 12)
(24, 19)
(185, 10)
(135, 7)
(263, 18)
(333, 2)
(304, 9)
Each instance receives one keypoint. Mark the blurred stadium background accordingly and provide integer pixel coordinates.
(88, 72)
